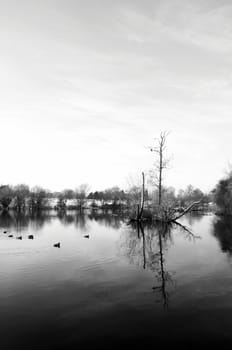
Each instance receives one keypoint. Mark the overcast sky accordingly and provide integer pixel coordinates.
(86, 86)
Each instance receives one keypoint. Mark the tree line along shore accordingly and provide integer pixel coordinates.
(21, 198)
(149, 197)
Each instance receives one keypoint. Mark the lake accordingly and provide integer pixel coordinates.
(112, 284)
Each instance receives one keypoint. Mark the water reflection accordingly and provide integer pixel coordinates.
(147, 246)
(20, 221)
(36, 220)
(144, 245)
(110, 219)
(222, 230)
(86, 290)
(193, 217)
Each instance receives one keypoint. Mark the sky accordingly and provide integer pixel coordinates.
(86, 87)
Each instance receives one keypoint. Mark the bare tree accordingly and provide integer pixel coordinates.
(81, 195)
(139, 200)
(166, 213)
(161, 163)
(37, 198)
(21, 193)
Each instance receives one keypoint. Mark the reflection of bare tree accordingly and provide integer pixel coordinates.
(163, 276)
(148, 248)
(186, 231)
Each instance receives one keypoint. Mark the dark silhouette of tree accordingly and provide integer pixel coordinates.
(37, 199)
(68, 194)
(6, 196)
(21, 193)
(223, 195)
(81, 194)
(222, 230)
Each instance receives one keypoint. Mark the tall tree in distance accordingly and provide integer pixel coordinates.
(223, 195)
(21, 193)
(161, 162)
(81, 194)
(6, 196)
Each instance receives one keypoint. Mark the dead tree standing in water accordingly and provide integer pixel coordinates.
(165, 214)
(140, 206)
(161, 162)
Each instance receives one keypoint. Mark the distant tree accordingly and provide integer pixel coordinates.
(197, 194)
(21, 193)
(96, 196)
(222, 231)
(81, 195)
(63, 197)
(223, 195)
(114, 194)
(68, 194)
(90, 195)
(61, 203)
(38, 198)
(133, 195)
(169, 197)
(189, 195)
(6, 196)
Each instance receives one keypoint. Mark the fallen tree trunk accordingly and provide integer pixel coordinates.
(185, 211)
(163, 214)
(168, 214)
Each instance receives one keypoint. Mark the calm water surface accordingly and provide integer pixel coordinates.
(121, 286)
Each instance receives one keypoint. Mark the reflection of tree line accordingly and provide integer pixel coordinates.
(222, 230)
(111, 219)
(148, 248)
(20, 221)
(36, 220)
(145, 245)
